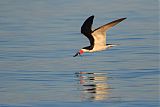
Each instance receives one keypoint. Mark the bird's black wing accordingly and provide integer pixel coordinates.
(86, 29)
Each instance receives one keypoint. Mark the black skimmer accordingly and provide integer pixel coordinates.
(96, 37)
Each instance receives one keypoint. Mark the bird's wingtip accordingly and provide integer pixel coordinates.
(124, 18)
(121, 19)
(92, 16)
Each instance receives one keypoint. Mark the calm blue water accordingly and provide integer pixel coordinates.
(39, 37)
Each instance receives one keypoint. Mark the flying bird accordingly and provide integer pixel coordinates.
(96, 37)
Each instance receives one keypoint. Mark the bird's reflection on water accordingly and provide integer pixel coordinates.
(93, 86)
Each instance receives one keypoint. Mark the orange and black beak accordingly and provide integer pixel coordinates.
(79, 53)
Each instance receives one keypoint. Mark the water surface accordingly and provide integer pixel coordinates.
(39, 38)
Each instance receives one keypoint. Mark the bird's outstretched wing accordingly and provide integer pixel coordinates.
(108, 25)
(99, 34)
(86, 29)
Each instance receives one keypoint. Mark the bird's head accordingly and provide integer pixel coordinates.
(80, 52)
